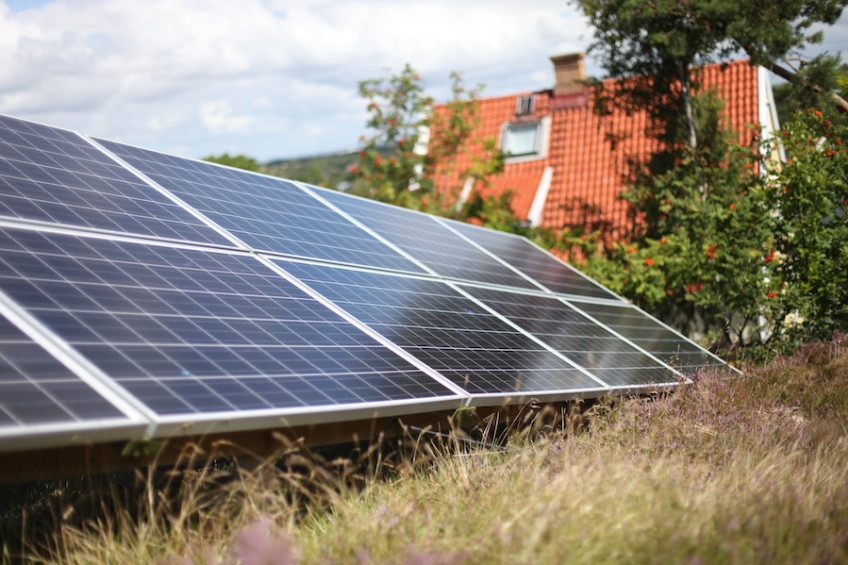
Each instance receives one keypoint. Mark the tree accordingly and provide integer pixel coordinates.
(656, 44)
(708, 229)
(789, 99)
(237, 161)
(410, 140)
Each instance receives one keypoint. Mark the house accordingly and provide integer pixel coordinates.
(563, 167)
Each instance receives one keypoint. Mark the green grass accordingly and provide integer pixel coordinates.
(750, 469)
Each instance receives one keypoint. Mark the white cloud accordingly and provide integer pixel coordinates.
(218, 117)
(268, 78)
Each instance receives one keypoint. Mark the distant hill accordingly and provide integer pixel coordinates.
(330, 170)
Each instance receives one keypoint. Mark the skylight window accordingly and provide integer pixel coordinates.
(524, 141)
(524, 105)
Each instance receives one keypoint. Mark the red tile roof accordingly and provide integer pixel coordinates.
(588, 169)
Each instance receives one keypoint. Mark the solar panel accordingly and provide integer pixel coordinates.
(652, 336)
(44, 401)
(583, 341)
(533, 261)
(265, 213)
(192, 332)
(448, 331)
(145, 293)
(55, 176)
(426, 240)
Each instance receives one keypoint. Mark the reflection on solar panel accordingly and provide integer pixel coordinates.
(586, 343)
(652, 336)
(533, 261)
(149, 294)
(446, 330)
(263, 212)
(55, 176)
(188, 331)
(428, 241)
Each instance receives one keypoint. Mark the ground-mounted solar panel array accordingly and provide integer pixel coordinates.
(147, 295)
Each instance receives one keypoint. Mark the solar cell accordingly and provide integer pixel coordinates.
(428, 241)
(446, 330)
(652, 336)
(586, 343)
(265, 213)
(55, 176)
(533, 261)
(192, 332)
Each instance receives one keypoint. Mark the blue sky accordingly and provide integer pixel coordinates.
(268, 78)
(20, 5)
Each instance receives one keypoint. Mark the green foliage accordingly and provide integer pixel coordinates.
(398, 110)
(494, 212)
(816, 83)
(410, 140)
(715, 249)
(738, 256)
(237, 161)
(656, 43)
(653, 45)
(328, 171)
(808, 200)
(695, 256)
(830, 74)
(785, 102)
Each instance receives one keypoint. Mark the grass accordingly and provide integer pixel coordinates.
(750, 469)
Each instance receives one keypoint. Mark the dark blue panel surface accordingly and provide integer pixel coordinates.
(532, 261)
(55, 176)
(586, 343)
(36, 389)
(265, 213)
(428, 241)
(446, 330)
(652, 336)
(189, 331)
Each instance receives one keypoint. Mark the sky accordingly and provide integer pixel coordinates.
(266, 78)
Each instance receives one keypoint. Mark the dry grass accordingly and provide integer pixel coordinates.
(749, 469)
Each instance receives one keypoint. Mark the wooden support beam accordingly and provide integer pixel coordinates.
(257, 446)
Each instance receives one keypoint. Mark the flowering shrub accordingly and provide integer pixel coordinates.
(808, 220)
(410, 139)
(738, 250)
(696, 254)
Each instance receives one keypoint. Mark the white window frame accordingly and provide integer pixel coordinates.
(543, 128)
